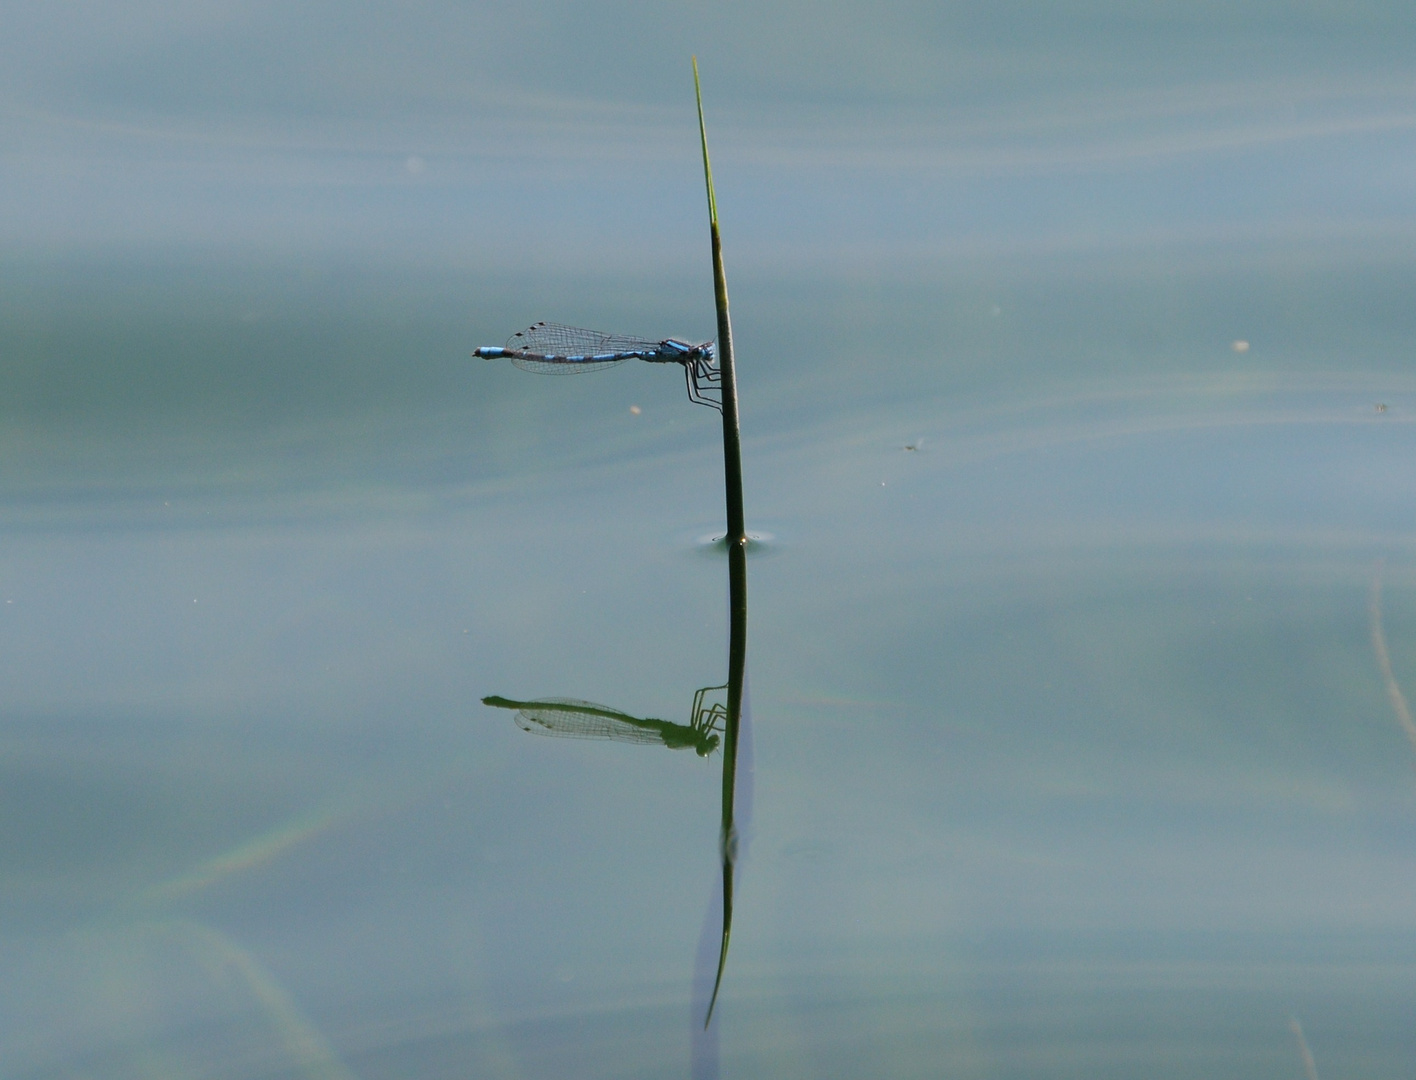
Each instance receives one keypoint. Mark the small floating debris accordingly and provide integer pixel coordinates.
(635, 409)
(1380, 406)
(1240, 345)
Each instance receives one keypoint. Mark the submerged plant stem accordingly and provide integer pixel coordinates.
(1379, 646)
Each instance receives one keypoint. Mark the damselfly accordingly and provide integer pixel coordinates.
(572, 719)
(551, 348)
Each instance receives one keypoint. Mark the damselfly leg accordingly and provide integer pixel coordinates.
(704, 382)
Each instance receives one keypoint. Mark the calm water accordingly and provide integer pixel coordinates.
(1079, 426)
(1073, 753)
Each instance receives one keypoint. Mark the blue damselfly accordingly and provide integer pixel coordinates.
(553, 349)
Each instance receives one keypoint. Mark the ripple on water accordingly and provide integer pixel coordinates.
(758, 543)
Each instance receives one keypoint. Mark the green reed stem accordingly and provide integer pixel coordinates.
(737, 550)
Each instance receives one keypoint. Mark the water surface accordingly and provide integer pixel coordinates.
(1078, 426)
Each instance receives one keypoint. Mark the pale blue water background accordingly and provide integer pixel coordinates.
(1073, 752)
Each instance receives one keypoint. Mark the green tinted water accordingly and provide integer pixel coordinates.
(1074, 356)
(1073, 755)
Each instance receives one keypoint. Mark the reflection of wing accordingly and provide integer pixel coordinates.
(571, 719)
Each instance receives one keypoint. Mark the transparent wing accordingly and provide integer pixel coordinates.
(551, 343)
(571, 719)
(547, 337)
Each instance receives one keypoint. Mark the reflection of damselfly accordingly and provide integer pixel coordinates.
(571, 719)
(554, 349)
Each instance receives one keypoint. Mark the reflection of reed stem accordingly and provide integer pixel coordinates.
(1309, 1065)
(737, 550)
(1379, 646)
